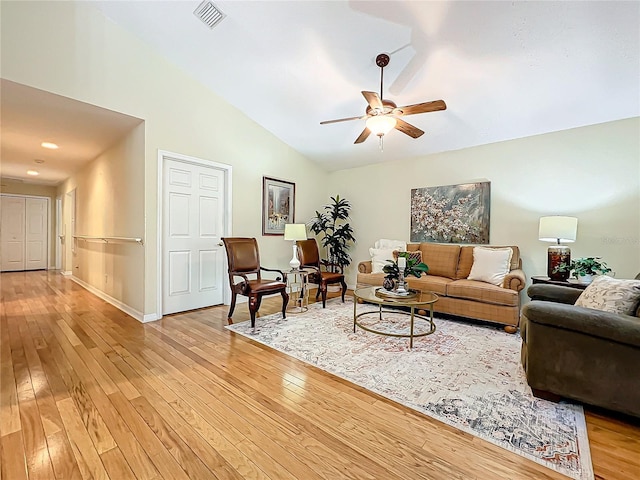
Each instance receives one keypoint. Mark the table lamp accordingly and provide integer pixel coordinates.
(558, 229)
(295, 232)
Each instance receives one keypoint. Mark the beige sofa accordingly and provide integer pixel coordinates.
(449, 267)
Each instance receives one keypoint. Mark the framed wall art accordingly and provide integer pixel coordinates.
(451, 213)
(278, 205)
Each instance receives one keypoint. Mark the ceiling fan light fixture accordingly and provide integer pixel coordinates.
(381, 124)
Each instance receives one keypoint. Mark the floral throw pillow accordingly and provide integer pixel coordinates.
(611, 295)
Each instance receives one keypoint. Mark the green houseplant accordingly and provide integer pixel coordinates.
(336, 232)
(413, 267)
(585, 267)
(392, 270)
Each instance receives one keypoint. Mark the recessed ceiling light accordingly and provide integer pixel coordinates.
(50, 145)
(32, 172)
(39, 160)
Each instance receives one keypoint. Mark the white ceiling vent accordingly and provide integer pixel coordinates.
(209, 14)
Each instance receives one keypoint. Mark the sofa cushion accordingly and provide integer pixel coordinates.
(379, 257)
(429, 283)
(611, 295)
(491, 265)
(466, 259)
(483, 292)
(442, 260)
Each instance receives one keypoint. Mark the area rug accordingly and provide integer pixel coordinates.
(466, 375)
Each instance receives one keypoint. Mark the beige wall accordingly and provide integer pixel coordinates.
(18, 188)
(110, 203)
(70, 49)
(592, 173)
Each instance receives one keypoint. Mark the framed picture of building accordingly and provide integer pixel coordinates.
(278, 205)
(451, 213)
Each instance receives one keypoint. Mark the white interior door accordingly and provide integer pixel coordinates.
(193, 225)
(24, 233)
(12, 233)
(36, 227)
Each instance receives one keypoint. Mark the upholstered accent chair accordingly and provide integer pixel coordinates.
(243, 258)
(309, 256)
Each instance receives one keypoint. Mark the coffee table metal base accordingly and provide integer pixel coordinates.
(412, 313)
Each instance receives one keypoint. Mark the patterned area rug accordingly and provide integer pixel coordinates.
(466, 375)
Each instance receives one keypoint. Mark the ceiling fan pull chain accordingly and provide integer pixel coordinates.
(381, 137)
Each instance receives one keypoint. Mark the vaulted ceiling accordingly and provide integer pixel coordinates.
(505, 69)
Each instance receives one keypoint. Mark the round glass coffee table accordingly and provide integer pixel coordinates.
(415, 300)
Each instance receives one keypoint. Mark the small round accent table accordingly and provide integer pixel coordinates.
(298, 290)
(415, 300)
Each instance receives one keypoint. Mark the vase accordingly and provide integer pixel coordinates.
(388, 284)
(585, 279)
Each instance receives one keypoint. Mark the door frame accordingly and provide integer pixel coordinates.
(227, 221)
(48, 209)
(59, 233)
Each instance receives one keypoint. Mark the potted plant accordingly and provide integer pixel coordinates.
(337, 233)
(585, 268)
(392, 270)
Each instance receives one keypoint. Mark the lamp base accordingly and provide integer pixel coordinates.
(558, 255)
(294, 263)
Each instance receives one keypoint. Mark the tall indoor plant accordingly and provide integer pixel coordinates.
(336, 233)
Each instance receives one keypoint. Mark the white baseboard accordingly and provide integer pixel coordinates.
(116, 303)
(151, 317)
(66, 273)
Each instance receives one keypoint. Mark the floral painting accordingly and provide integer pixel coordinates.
(451, 213)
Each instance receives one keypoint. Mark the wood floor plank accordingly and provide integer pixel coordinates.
(9, 410)
(81, 443)
(183, 397)
(62, 457)
(160, 456)
(13, 465)
(116, 465)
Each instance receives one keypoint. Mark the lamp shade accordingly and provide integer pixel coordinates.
(381, 124)
(295, 231)
(558, 229)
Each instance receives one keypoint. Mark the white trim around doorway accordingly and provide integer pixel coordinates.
(227, 169)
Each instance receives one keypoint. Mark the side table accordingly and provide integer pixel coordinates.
(297, 288)
(571, 282)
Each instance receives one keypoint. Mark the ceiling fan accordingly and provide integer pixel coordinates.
(382, 115)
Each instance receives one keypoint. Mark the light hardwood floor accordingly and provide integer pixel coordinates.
(88, 392)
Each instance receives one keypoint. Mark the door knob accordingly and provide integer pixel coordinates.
(220, 244)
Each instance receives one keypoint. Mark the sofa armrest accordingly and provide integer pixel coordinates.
(515, 280)
(364, 267)
(554, 293)
(611, 326)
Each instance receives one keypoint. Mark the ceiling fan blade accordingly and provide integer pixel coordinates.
(342, 120)
(363, 136)
(407, 128)
(421, 108)
(373, 99)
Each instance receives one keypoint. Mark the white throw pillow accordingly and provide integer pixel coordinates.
(490, 265)
(379, 257)
(385, 243)
(611, 295)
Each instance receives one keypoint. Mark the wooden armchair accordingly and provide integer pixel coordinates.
(310, 259)
(244, 259)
